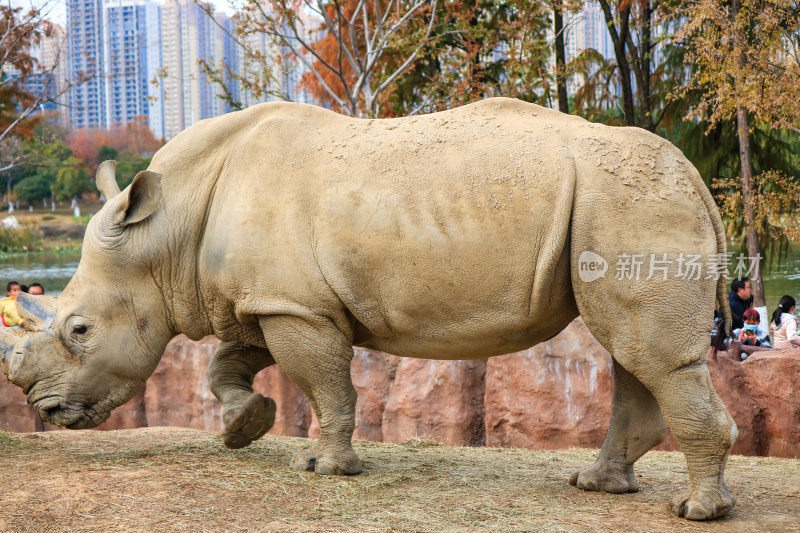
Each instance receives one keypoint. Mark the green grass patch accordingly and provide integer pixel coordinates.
(11, 440)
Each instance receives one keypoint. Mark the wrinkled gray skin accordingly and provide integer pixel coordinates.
(293, 233)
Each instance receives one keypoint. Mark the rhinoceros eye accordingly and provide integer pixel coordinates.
(79, 330)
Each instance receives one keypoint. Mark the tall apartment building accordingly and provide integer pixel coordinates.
(281, 80)
(127, 44)
(52, 56)
(254, 70)
(189, 35)
(85, 61)
(586, 29)
(131, 59)
(48, 79)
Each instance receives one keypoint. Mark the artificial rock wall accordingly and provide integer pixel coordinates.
(554, 395)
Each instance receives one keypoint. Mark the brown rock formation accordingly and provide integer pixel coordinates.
(15, 413)
(440, 400)
(177, 393)
(373, 376)
(773, 381)
(730, 382)
(293, 416)
(554, 395)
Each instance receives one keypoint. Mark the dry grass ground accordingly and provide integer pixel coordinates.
(59, 229)
(169, 479)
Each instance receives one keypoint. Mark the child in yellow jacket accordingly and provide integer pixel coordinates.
(8, 305)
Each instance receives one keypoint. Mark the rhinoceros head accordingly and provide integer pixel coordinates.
(89, 351)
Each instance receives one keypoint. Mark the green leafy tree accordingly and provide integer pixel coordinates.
(71, 180)
(45, 153)
(128, 165)
(106, 152)
(746, 66)
(32, 188)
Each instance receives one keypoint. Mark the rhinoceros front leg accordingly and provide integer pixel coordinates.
(316, 355)
(636, 426)
(247, 415)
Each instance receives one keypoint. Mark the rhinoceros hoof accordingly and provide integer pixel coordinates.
(339, 463)
(703, 504)
(606, 478)
(304, 460)
(248, 422)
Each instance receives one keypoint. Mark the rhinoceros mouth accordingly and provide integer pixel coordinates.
(53, 412)
(71, 415)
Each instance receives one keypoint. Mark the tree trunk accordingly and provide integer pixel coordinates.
(641, 65)
(646, 49)
(751, 233)
(619, 39)
(561, 57)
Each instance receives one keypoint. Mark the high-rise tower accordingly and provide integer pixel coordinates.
(132, 59)
(84, 61)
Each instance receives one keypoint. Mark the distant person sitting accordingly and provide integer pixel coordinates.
(784, 323)
(740, 300)
(8, 305)
(751, 334)
(36, 289)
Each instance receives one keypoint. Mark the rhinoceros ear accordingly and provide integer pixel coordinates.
(142, 197)
(106, 179)
(36, 312)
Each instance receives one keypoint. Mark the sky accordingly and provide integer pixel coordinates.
(57, 8)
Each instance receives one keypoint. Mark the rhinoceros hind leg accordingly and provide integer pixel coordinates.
(636, 426)
(706, 433)
(707, 504)
(316, 355)
(677, 376)
(247, 415)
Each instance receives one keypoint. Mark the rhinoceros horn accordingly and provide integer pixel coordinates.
(106, 179)
(37, 312)
(9, 338)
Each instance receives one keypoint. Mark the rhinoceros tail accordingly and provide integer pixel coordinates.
(724, 327)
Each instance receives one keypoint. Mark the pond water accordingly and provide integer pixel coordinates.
(54, 270)
(783, 279)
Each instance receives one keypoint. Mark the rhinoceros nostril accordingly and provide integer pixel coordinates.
(47, 414)
(47, 407)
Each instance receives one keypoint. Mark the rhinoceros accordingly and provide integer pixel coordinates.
(293, 233)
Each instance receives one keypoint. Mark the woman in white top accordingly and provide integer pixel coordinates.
(785, 325)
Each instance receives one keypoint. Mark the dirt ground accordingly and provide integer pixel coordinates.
(172, 479)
